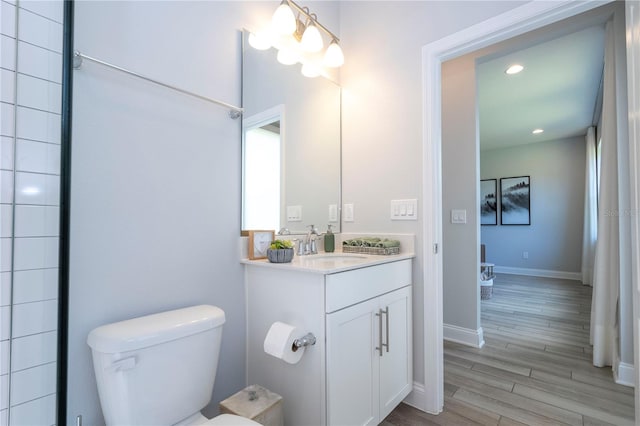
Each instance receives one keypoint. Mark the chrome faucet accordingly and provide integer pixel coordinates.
(310, 245)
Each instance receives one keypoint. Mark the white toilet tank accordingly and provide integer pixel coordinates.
(157, 369)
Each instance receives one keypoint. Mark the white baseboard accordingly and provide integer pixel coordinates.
(539, 273)
(623, 374)
(417, 397)
(465, 336)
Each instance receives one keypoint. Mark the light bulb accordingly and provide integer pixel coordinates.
(283, 20)
(259, 41)
(514, 69)
(309, 71)
(311, 39)
(333, 57)
(287, 57)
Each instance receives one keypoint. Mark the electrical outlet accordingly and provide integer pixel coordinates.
(525, 254)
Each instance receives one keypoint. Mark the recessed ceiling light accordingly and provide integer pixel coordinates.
(537, 131)
(514, 69)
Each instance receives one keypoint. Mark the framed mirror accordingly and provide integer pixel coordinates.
(291, 147)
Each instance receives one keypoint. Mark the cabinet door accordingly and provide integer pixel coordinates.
(396, 362)
(352, 365)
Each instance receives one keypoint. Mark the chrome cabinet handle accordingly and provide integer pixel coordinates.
(386, 314)
(379, 315)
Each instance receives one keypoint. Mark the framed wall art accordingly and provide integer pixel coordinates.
(515, 200)
(489, 202)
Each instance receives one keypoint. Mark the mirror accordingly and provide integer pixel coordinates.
(291, 148)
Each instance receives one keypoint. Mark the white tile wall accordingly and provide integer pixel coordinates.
(37, 157)
(41, 411)
(8, 23)
(37, 221)
(39, 94)
(6, 153)
(35, 253)
(35, 285)
(8, 53)
(40, 31)
(38, 62)
(6, 187)
(34, 221)
(37, 125)
(32, 188)
(6, 119)
(7, 86)
(33, 318)
(33, 383)
(6, 220)
(32, 351)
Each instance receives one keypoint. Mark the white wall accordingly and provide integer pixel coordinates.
(155, 211)
(382, 113)
(30, 151)
(554, 238)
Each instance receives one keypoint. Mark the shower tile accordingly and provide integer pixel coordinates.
(38, 189)
(27, 385)
(4, 392)
(6, 120)
(40, 31)
(8, 51)
(35, 285)
(6, 221)
(37, 157)
(39, 94)
(38, 125)
(32, 318)
(6, 187)
(7, 86)
(35, 253)
(5, 322)
(37, 221)
(38, 62)
(42, 411)
(5, 254)
(32, 351)
(5, 288)
(5, 350)
(8, 23)
(6, 153)
(53, 10)
(4, 417)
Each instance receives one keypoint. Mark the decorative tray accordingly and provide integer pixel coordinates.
(371, 250)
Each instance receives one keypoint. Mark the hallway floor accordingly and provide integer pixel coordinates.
(535, 367)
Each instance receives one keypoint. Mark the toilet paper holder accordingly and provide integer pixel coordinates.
(306, 340)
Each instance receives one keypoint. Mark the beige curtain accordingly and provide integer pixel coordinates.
(590, 230)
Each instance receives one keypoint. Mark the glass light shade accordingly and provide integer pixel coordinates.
(287, 57)
(514, 69)
(333, 57)
(311, 39)
(259, 41)
(309, 71)
(283, 20)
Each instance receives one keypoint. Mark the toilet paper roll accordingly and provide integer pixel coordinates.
(279, 342)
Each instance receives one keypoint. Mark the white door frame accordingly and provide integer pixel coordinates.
(518, 21)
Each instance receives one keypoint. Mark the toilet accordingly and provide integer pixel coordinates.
(160, 369)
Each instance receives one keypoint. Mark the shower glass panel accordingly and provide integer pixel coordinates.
(30, 124)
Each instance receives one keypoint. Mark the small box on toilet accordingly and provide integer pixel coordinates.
(256, 403)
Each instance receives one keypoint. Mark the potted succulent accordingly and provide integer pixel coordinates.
(280, 251)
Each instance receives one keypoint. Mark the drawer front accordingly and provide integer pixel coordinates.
(351, 287)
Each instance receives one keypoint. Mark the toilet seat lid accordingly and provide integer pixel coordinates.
(230, 420)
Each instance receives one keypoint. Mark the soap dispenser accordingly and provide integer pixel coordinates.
(329, 241)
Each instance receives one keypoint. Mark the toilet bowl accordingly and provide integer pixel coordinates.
(160, 369)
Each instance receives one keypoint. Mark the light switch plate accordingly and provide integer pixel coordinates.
(348, 213)
(458, 216)
(333, 212)
(404, 209)
(294, 213)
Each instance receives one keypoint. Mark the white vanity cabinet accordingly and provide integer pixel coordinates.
(361, 366)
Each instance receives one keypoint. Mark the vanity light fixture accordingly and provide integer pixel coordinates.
(537, 131)
(299, 39)
(514, 69)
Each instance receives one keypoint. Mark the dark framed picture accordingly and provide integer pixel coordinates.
(489, 202)
(515, 200)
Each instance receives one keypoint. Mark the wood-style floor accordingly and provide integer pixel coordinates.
(535, 367)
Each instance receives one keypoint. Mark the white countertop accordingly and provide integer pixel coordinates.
(330, 263)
